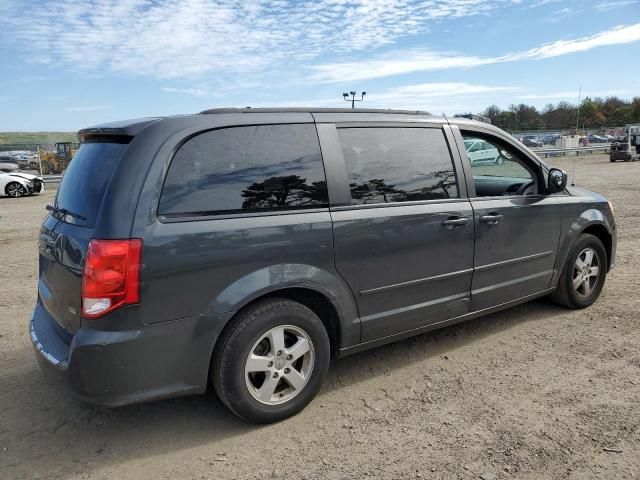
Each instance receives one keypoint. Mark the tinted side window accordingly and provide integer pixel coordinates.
(392, 164)
(246, 169)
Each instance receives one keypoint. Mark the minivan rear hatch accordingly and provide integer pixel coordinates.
(67, 230)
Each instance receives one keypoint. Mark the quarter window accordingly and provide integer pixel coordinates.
(246, 169)
(397, 164)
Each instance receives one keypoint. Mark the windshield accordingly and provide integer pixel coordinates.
(86, 179)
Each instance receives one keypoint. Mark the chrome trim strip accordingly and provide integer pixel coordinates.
(416, 282)
(489, 266)
(432, 326)
(495, 286)
(417, 306)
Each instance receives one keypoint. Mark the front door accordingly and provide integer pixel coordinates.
(517, 225)
(404, 242)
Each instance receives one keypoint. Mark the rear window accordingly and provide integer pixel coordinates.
(85, 181)
(246, 169)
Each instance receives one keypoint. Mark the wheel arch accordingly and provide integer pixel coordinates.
(316, 301)
(593, 222)
(600, 231)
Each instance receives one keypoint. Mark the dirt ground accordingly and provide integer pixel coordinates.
(535, 392)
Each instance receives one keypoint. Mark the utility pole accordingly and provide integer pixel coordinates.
(578, 114)
(353, 99)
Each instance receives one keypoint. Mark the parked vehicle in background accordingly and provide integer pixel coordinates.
(8, 164)
(480, 152)
(19, 184)
(596, 139)
(551, 138)
(532, 141)
(245, 248)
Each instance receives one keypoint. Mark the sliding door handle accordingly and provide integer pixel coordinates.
(455, 222)
(491, 219)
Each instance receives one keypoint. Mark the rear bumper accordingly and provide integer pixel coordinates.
(112, 368)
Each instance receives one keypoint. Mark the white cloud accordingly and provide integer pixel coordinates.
(616, 36)
(196, 92)
(441, 97)
(402, 62)
(395, 63)
(543, 2)
(88, 108)
(425, 91)
(604, 6)
(179, 38)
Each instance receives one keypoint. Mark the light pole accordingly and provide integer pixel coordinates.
(578, 114)
(353, 99)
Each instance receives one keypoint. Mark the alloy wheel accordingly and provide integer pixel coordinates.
(279, 365)
(586, 272)
(15, 190)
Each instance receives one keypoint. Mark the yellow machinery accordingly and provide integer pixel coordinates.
(54, 163)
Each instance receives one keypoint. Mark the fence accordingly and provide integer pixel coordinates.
(554, 152)
(45, 159)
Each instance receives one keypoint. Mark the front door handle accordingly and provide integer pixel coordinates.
(455, 222)
(491, 219)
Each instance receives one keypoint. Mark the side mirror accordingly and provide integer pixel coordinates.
(557, 180)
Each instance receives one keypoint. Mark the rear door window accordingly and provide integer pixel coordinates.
(86, 178)
(397, 164)
(246, 169)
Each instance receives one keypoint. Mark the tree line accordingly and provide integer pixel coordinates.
(595, 113)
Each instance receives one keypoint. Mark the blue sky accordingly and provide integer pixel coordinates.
(67, 64)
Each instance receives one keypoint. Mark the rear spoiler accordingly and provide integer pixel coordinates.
(121, 132)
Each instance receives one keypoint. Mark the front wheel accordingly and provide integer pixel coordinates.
(15, 190)
(271, 361)
(583, 275)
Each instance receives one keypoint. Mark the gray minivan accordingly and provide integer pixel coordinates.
(246, 248)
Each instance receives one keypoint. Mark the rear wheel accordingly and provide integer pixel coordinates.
(271, 361)
(583, 275)
(15, 190)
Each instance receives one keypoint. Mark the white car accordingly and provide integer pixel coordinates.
(20, 184)
(480, 152)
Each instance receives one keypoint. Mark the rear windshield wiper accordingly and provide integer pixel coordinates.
(64, 211)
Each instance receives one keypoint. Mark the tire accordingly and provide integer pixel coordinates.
(266, 396)
(15, 190)
(567, 293)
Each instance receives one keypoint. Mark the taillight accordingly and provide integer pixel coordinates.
(111, 276)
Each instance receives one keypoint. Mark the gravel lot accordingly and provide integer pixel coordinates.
(535, 392)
